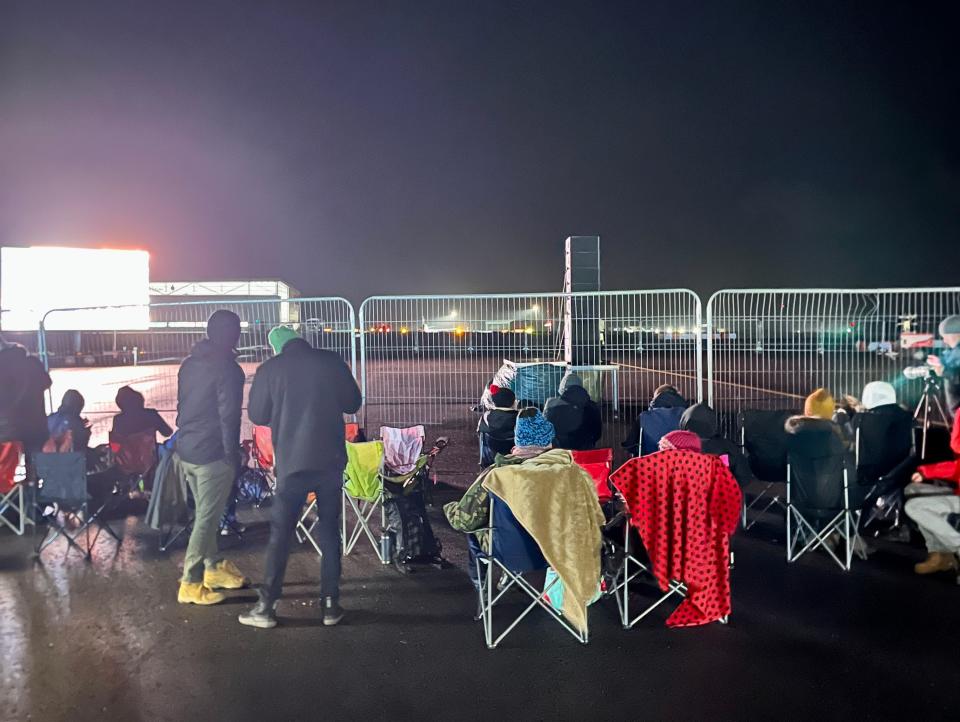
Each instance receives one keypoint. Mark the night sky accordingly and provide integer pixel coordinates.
(355, 148)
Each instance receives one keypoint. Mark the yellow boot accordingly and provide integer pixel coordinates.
(224, 575)
(198, 593)
(936, 562)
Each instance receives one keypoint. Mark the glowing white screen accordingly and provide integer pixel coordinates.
(36, 280)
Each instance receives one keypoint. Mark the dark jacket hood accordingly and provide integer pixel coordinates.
(576, 395)
(669, 399)
(701, 420)
(207, 350)
(129, 399)
(72, 403)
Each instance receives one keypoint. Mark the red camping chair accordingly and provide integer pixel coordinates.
(599, 464)
(135, 454)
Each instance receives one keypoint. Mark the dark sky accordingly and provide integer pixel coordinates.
(356, 148)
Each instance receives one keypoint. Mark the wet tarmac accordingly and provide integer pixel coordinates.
(106, 640)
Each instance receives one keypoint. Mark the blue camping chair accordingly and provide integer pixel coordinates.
(513, 552)
(655, 424)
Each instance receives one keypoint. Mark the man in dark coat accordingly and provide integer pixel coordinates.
(661, 417)
(702, 420)
(302, 394)
(209, 401)
(23, 382)
(575, 416)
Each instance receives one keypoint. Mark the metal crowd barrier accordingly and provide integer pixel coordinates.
(159, 336)
(427, 359)
(769, 348)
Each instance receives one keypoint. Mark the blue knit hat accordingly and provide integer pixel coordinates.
(533, 430)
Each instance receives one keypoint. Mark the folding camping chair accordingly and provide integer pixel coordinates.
(13, 488)
(763, 440)
(513, 553)
(62, 488)
(818, 501)
(632, 568)
(362, 492)
(885, 458)
(135, 455)
(654, 425)
(598, 463)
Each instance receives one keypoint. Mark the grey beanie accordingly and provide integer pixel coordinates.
(950, 325)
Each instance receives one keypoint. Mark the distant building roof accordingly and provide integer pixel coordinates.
(251, 289)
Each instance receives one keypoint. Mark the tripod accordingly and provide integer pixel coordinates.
(930, 405)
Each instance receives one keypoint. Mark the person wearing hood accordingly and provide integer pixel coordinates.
(496, 425)
(66, 422)
(702, 421)
(23, 381)
(134, 418)
(574, 415)
(533, 436)
(666, 396)
(661, 417)
(302, 394)
(886, 444)
(209, 400)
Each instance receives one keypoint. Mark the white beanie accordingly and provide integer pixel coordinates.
(878, 393)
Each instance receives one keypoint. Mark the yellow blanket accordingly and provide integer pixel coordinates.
(556, 503)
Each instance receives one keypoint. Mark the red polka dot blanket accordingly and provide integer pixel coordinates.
(685, 505)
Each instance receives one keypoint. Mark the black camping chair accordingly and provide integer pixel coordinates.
(764, 442)
(490, 446)
(885, 458)
(818, 496)
(63, 492)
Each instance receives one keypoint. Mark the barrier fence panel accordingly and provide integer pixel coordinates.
(769, 348)
(427, 359)
(148, 355)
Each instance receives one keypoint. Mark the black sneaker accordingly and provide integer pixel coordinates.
(263, 615)
(332, 611)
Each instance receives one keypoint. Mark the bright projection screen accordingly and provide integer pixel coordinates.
(36, 280)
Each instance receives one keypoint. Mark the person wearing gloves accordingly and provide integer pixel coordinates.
(209, 400)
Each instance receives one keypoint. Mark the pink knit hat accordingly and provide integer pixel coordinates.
(680, 441)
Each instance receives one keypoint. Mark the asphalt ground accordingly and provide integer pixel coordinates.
(106, 640)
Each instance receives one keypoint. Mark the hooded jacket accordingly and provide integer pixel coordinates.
(67, 419)
(576, 419)
(134, 418)
(702, 421)
(209, 401)
(302, 395)
(669, 399)
(498, 423)
(23, 381)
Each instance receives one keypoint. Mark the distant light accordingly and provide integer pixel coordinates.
(458, 331)
(535, 307)
(453, 313)
(327, 329)
(528, 330)
(404, 330)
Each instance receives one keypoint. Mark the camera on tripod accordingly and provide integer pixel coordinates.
(919, 372)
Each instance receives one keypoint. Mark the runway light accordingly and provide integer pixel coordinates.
(328, 330)
(404, 330)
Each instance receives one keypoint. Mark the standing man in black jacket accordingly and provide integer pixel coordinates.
(302, 394)
(209, 401)
(23, 381)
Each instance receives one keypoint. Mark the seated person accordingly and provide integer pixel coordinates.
(496, 425)
(702, 421)
(533, 436)
(817, 420)
(933, 514)
(680, 441)
(574, 415)
(886, 443)
(134, 418)
(68, 430)
(663, 416)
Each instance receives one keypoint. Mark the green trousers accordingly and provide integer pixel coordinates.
(210, 485)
